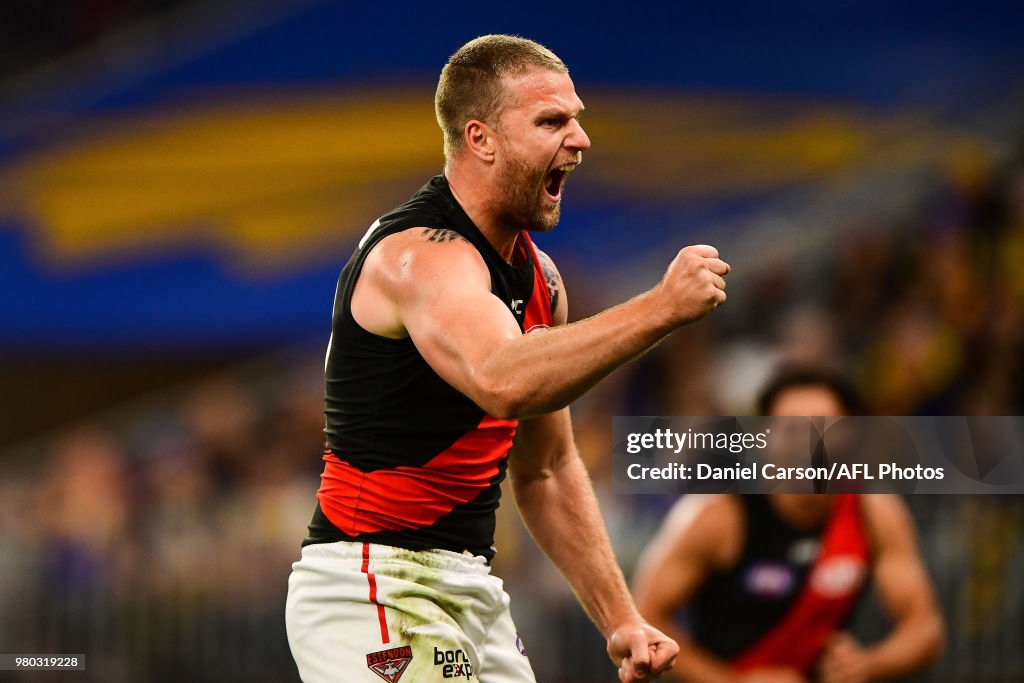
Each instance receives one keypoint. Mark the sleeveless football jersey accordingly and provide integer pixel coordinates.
(410, 461)
(789, 591)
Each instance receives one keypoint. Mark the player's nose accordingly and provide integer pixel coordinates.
(577, 140)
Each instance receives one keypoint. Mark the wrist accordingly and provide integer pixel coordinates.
(656, 311)
(618, 621)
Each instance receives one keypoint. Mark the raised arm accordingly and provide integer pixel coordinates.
(558, 506)
(437, 291)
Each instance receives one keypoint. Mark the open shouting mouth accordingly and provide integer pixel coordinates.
(555, 180)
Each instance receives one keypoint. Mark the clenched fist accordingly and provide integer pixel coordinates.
(694, 284)
(641, 652)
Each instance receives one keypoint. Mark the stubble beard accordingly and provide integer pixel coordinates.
(522, 203)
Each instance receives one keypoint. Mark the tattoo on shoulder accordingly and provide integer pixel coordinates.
(552, 277)
(441, 235)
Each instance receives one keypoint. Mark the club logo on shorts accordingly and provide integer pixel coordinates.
(390, 664)
(453, 663)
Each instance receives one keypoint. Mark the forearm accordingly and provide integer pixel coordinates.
(913, 645)
(540, 373)
(902, 582)
(562, 514)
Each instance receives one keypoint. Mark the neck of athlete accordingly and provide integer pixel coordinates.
(474, 185)
(802, 510)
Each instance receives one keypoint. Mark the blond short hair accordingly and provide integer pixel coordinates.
(471, 86)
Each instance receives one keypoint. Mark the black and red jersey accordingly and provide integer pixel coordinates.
(410, 461)
(789, 591)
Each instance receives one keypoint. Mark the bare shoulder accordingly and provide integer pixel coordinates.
(411, 271)
(556, 288)
(438, 235)
(711, 526)
(418, 256)
(889, 522)
(882, 508)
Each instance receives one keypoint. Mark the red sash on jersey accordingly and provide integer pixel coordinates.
(826, 599)
(538, 310)
(410, 497)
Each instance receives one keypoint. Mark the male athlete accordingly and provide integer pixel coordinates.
(770, 581)
(451, 360)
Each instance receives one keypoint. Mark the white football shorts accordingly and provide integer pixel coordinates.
(363, 613)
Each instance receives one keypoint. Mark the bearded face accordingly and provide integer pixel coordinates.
(539, 143)
(526, 202)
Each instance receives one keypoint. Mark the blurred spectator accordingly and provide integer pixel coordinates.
(32, 33)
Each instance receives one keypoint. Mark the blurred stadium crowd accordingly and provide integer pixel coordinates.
(158, 539)
(32, 33)
(925, 313)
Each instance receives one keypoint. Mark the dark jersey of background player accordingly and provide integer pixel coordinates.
(769, 582)
(791, 588)
(410, 461)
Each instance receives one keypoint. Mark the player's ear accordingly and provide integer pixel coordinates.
(479, 140)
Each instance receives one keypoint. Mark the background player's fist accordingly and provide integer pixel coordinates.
(844, 661)
(694, 284)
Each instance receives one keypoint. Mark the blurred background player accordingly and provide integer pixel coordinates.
(769, 582)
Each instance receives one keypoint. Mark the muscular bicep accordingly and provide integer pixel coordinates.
(440, 290)
(693, 542)
(665, 582)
